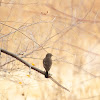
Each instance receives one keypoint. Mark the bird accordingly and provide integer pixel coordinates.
(47, 62)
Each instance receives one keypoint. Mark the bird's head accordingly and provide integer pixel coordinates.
(49, 55)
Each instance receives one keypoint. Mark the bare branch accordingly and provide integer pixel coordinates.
(58, 83)
(23, 61)
(24, 35)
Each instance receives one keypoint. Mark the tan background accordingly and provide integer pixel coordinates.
(69, 29)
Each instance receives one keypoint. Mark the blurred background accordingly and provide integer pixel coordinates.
(69, 29)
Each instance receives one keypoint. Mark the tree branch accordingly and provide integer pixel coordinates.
(31, 66)
(23, 61)
(58, 83)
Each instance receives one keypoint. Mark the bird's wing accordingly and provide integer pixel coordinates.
(47, 62)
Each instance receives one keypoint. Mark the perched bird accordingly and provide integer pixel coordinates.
(47, 62)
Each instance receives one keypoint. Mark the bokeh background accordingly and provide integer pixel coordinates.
(69, 29)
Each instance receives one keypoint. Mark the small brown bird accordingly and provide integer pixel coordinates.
(47, 62)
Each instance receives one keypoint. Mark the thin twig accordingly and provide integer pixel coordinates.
(58, 83)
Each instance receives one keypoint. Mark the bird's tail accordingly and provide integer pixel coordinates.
(46, 74)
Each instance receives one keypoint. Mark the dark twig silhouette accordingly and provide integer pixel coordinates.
(23, 61)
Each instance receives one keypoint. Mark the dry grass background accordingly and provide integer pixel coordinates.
(69, 29)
